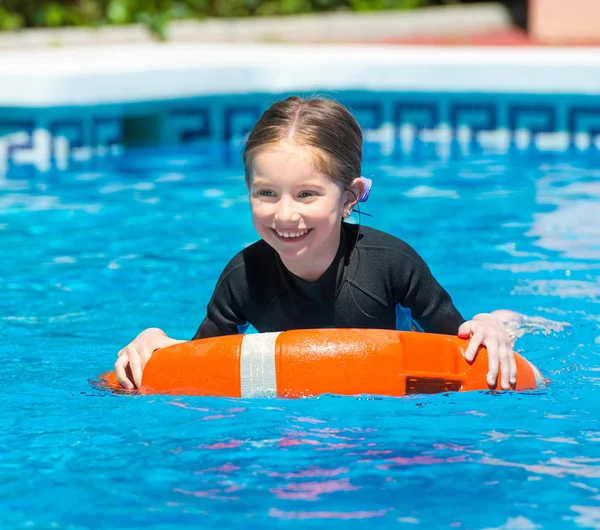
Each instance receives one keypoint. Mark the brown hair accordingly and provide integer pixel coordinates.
(323, 125)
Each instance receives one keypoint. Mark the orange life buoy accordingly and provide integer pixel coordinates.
(302, 363)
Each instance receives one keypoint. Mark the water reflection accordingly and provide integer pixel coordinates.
(572, 227)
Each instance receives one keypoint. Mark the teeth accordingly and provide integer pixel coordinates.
(291, 234)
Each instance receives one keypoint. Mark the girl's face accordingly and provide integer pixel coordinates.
(296, 209)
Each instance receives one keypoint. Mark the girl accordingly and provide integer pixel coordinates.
(311, 269)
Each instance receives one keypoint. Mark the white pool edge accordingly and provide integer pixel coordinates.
(158, 72)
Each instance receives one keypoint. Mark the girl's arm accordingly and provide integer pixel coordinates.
(224, 313)
(432, 308)
(416, 289)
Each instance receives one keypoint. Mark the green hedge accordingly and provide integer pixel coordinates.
(16, 14)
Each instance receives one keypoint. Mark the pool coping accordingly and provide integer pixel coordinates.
(44, 78)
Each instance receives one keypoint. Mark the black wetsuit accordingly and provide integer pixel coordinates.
(375, 281)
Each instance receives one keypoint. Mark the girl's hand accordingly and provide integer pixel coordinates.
(136, 354)
(487, 330)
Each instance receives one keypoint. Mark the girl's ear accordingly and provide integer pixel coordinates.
(357, 187)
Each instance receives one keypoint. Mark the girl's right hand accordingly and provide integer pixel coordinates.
(136, 354)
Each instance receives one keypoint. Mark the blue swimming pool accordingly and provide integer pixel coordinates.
(94, 254)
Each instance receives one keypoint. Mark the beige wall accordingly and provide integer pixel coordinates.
(565, 21)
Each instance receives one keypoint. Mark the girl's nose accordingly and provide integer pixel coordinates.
(286, 211)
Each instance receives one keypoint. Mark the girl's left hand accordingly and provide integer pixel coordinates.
(487, 330)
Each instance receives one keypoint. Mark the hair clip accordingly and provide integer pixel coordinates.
(365, 194)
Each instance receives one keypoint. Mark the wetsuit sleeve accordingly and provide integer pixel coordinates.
(224, 313)
(430, 305)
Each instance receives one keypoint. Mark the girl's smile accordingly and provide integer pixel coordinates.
(296, 209)
(290, 236)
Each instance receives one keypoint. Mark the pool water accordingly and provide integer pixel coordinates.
(93, 255)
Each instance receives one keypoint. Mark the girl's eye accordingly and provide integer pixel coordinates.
(307, 194)
(266, 193)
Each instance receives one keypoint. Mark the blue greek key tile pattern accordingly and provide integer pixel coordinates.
(394, 124)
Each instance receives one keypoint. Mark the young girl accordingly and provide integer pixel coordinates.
(311, 269)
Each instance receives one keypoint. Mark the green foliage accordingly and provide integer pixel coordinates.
(379, 5)
(156, 14)
(10, 20)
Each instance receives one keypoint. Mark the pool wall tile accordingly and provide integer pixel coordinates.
(394, 123)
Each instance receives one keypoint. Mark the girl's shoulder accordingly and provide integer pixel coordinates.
(249, 274)
(368, 238)
(258, 257)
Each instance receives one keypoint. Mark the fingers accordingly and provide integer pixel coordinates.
(504, 367)
(513, 369)
(487, 329)
(474, 344)
(512, 363)
(464, 331)
(501, 355)
(493, 359)
(132, 359)
(135, 360)
(135, 364)
(121, 366)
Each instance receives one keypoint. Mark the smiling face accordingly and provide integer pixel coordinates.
(296, 209)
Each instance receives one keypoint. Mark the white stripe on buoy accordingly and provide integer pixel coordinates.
(257, 365)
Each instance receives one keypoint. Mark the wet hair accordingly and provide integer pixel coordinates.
(323, 125)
